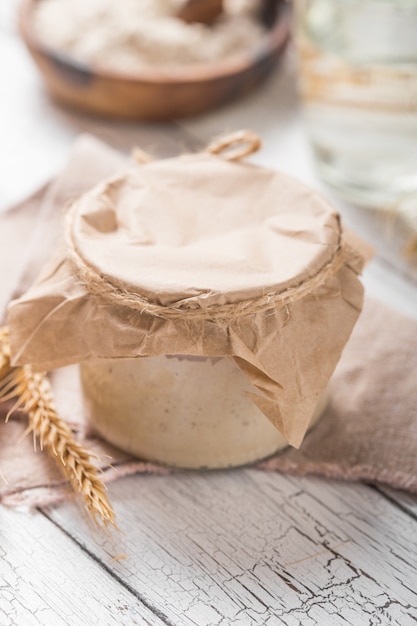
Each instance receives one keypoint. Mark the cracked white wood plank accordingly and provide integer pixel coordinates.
(407, 501)
(247, 548)
(46, 579)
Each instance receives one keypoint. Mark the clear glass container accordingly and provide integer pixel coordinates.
(182, 411)
(358, 82)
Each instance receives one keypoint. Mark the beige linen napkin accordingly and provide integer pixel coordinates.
(369, 431)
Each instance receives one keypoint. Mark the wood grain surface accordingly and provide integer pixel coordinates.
(46, 579)
(246, 547)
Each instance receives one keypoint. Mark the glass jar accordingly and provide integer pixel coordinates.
(358, 81)
(182, 411)
(199, 255)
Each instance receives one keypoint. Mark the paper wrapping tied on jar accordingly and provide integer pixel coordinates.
(188, 260)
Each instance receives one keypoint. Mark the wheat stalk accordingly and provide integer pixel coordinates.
(33, 395)
(4, 352)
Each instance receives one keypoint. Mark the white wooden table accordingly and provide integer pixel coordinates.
(235, 548)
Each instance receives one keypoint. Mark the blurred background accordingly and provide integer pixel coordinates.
(329, 85)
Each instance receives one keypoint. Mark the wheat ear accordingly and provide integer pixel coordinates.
(4, 352)
(33, 394)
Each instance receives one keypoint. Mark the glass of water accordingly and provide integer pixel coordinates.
(358, 82)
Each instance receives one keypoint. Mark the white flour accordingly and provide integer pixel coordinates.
(127, 35)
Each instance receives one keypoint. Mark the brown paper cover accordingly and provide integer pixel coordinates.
(199, 255)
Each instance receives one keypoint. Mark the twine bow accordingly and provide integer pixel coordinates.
(235, 146)
(232, 147)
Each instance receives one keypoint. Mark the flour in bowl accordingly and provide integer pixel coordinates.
(129, 35)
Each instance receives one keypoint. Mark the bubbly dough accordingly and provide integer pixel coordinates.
(189, 412)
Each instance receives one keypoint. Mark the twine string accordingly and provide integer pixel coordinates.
(235, 146)
(106, 287)
(141, 156)
(232, 147)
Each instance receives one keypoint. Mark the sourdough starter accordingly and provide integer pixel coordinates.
(189, 412)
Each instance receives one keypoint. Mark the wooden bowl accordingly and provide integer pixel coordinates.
(154, 94)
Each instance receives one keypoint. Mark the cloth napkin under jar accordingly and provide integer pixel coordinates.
(368, 431)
